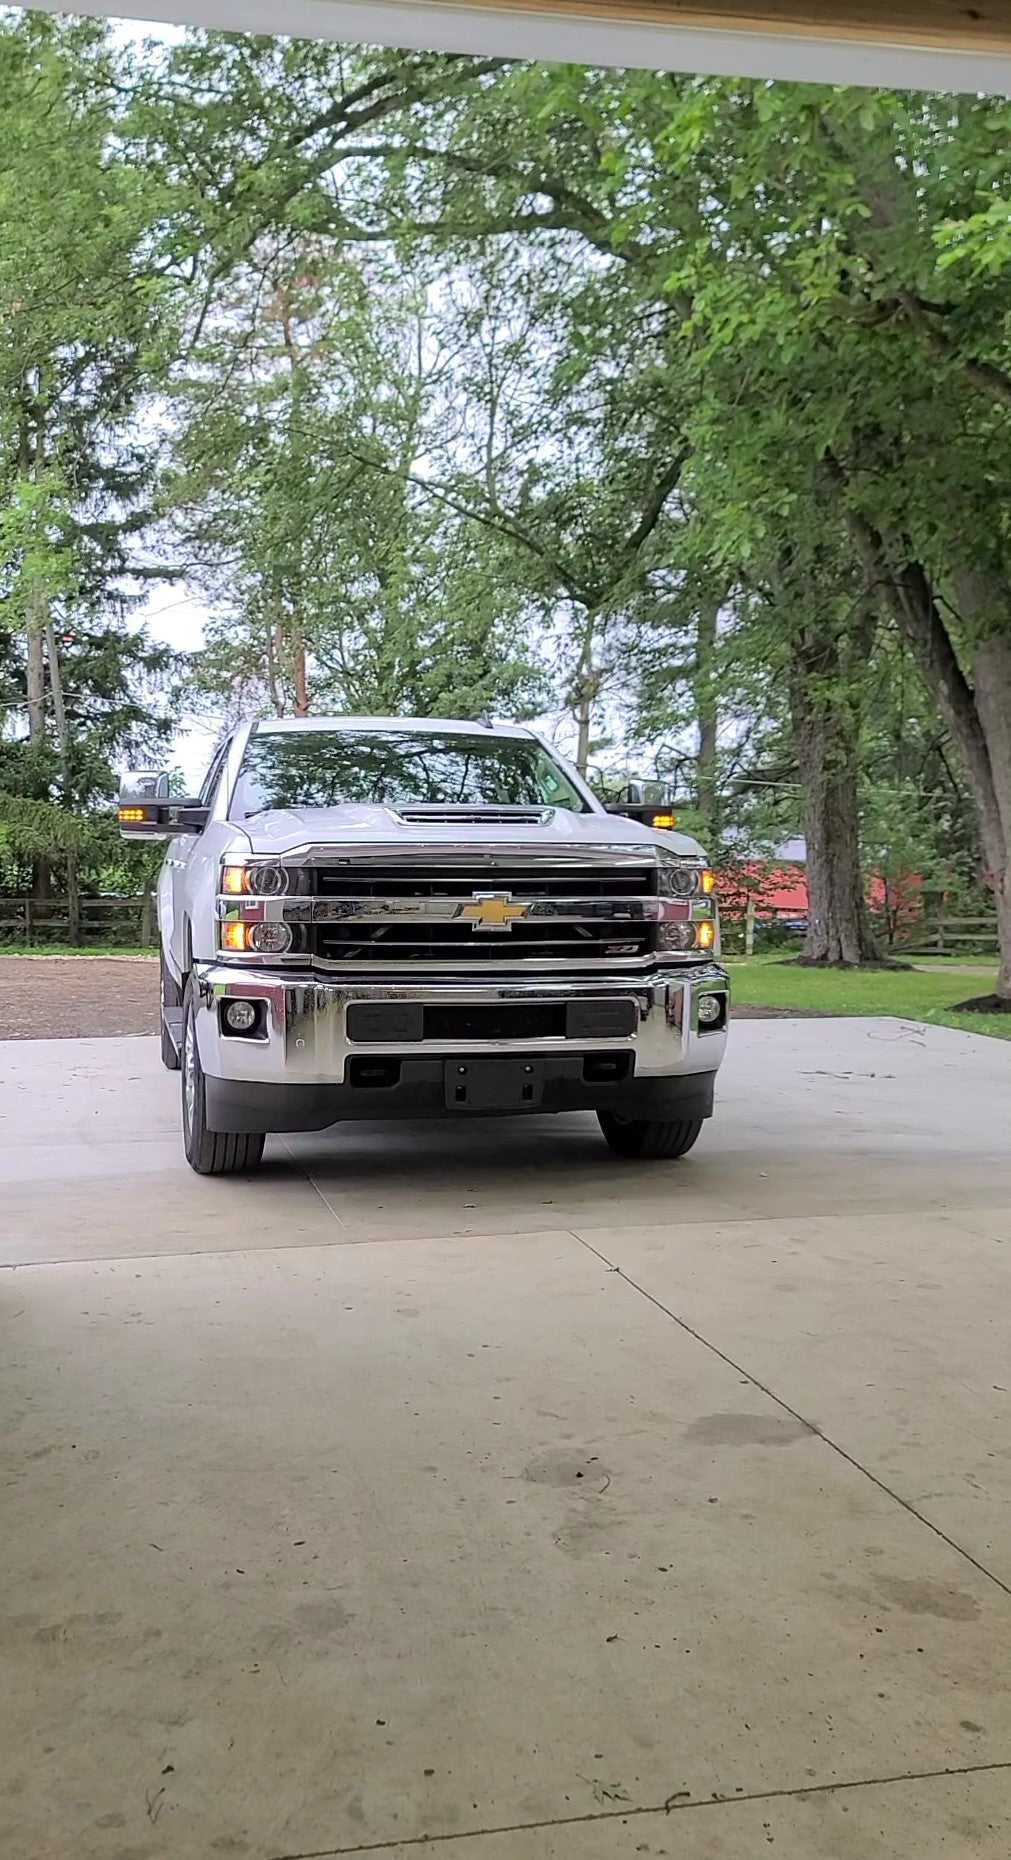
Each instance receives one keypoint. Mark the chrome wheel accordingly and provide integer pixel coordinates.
(189, 1072)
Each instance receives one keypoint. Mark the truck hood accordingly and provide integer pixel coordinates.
(376, 829)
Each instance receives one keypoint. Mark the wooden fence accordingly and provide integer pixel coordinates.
(745, 930)
(109, 922)
(950, 936)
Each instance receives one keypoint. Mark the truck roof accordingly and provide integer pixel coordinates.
(441, 726)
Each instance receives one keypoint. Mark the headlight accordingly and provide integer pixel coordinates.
(273, 939)
(679, 879)
(681, 937)
(266, 880)
(267, 939)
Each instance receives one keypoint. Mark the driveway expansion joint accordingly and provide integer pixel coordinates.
(671, 1807)
(812, 1427)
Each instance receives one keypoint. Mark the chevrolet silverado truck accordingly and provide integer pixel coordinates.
(377, 918)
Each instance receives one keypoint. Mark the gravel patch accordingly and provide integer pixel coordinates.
(77, 997)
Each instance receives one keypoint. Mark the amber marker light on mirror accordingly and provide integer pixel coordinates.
(132, 813)
(664, 820)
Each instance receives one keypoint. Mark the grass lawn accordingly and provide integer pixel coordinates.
(64, 949)
(765, 981)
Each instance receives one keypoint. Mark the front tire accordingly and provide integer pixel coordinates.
(210, 1152)
(649, 1139)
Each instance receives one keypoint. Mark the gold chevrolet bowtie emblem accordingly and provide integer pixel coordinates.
(494, 910)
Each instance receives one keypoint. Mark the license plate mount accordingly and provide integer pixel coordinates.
(494, 1084)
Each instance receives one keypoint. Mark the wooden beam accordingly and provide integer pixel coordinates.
(948, 24)
(944, 45)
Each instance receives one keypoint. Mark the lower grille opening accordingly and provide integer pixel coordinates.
(381, 1023)
(510, 1021)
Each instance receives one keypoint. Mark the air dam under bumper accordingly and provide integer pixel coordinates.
(303, 1070)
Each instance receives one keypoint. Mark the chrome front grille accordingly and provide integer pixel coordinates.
(450, 881)
(502, 917)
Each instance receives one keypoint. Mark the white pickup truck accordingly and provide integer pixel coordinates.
(377, 918)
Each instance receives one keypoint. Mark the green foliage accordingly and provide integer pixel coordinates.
(83, 317)
(639, 400)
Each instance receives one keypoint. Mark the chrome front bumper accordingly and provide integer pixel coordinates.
(305, 1040)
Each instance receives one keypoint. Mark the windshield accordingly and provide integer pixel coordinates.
(398, 768)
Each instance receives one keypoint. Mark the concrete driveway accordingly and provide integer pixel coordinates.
(474, 1489)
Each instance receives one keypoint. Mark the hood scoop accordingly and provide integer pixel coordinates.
(439, 814)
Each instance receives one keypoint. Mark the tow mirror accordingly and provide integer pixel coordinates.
(646, 802)
(145, 785)
(660, 818)
(146, 816)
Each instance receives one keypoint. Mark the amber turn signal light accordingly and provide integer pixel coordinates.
(234, 936)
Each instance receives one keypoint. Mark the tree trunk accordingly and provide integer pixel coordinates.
(36, 679)
(299, 677)
(985, 606)
(275, 646)
(35, 675)
(977, 714)
(63, 740)
(707, 708)
(583, 722)
(585, 687)
(1002, 899)
(825, 731)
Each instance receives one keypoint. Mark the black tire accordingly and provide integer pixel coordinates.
(170, 997)
(210, 1152)
(649, 1139)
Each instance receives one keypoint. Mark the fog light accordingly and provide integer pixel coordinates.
(270, 939)
(710, 1010)
(241, 1016)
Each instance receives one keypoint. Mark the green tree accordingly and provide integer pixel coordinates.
(81, 316)
(338, 579)
(810, 273)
